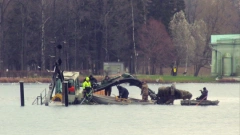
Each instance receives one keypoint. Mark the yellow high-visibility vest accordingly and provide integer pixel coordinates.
(86, 84)
(174, 70)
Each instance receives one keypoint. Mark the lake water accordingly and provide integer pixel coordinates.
(121, 120)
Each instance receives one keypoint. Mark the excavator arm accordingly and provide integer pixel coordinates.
(132, 82)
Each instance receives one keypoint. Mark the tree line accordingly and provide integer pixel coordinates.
(146, 35)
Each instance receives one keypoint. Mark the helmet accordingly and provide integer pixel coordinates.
(87, 78)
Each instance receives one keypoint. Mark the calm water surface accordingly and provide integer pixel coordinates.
(121, 120)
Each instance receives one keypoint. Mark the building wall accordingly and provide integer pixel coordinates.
(225, 55)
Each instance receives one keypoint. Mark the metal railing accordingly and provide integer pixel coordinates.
(40, 98)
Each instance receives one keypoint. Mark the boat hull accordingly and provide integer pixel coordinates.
(199, 102)
(108, 100)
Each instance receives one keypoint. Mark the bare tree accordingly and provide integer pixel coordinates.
(155, 45)
(199, 31)
(235, 15)
(191, 10)
(3, 6)
(133, 40)
(43, 8)
(182, 38)
(218, 16)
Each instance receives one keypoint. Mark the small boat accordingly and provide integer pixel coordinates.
(109, 100)
(199, 102)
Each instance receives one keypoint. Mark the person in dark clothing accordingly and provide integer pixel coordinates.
(93, 81)
(204, 94)
(123, 92)
(108, 90)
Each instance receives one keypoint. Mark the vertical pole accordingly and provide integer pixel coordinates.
(21, 93)
(66, 92)
(37, 100)
(41, 98)
(63, 92)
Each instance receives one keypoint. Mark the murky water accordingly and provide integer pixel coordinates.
(121, 120)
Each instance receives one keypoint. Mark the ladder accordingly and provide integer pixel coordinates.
(40, 98)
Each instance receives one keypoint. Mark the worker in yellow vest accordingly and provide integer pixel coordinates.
(86, 86)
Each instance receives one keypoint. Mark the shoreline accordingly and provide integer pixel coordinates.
(142, 78)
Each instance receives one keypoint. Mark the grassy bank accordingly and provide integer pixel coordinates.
(147, 78)
(179, 79)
